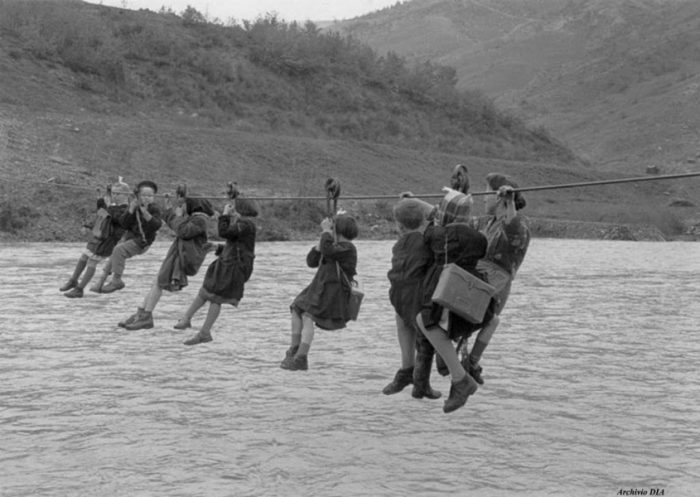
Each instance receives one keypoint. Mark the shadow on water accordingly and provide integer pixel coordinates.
(591, 385)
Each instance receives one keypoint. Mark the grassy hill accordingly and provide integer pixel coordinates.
(89, 93)
(616, 80)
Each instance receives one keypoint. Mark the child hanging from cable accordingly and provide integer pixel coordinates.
(189, 221)
(410, 260)
(508, 235)
(142, 221)
(106, 233)
(325, 301)
(226, 276)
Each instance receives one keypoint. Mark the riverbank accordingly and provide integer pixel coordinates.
(373, 228)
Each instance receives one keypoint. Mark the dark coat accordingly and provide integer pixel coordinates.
(410, 261)
(465, 246)
(186, 254)
(104, 246)
(226, 276)
(326, 298)
(138, 229)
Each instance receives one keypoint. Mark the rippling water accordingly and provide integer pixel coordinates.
(592, 385)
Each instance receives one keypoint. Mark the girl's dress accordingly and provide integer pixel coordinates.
(465, 246)
(226, 276)
(186, 254)
(326, 298)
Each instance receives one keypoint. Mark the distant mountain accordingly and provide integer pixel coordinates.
(616, 80)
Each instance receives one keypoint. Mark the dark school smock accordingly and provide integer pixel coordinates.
(186, 254)
(226, 276)
(104, 247)
(465, 246)
(138, 229)
(326, 297)
(410, 260)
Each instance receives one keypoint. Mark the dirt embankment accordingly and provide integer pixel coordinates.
(557, 228)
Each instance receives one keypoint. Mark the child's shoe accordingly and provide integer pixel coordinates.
(75, 293)
(182, 325)
(113, 286)
(300, 363)
(143, 321)
(459, 393)
(71, 283)
(402, 379)
(289, 357)
(131, 319)
(199, 338)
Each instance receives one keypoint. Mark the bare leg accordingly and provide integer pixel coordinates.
(407, 343)
(307, 334)
(297, 325)
(204, 334)
(212, 316)
(462, 385)
(152, 297)
(443, 346)
(196, 305)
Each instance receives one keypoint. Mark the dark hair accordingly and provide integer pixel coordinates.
(460, 178)
(148, 184)
(246, 207)
(497, 180)
(199, 205)
(346, 226)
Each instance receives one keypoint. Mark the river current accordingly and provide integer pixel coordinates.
(592, 385)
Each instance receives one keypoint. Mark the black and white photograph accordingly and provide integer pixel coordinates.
(377, 248)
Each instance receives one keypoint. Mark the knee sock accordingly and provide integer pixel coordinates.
(212, 315)
(477, 351)
(89, 273)
(303, 349)
(82, 262)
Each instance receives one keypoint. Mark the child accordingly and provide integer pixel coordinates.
(184, 258)
(142, 222)
(451, 242)
(508, 238)
(410, 260)
(225, 278)
(325, 301)
(105, 237)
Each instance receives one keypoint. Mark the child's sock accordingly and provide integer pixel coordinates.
(73, 281)
(303, 349)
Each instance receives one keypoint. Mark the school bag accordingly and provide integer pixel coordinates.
(102, 226)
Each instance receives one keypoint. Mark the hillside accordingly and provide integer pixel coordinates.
(616, 80)
(89, 93)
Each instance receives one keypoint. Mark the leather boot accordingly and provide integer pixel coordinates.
(97, 287)
(199, 338)
(143, 321)
(459, 393)
(288, 361)
(421, 378)
(71, 283)
(75, 293)
(114, 285)
(131, 319)
(402, 379)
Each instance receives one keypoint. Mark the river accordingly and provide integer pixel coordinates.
(592, 385)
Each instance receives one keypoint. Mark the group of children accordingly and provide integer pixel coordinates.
(430, 237)
(491, 248)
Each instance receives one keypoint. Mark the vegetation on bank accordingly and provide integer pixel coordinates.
(270, 75)
(93, 92)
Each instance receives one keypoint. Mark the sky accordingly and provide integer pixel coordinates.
(288, 10)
